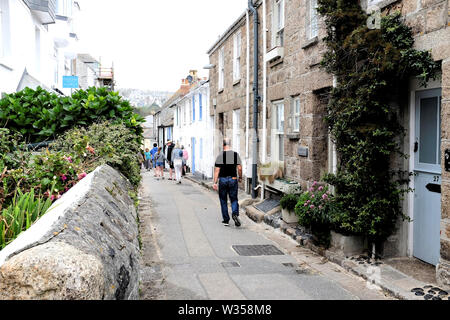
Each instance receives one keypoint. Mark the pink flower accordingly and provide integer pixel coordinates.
(314, 183)
(312, 206)
(306, 204)
(325, 196)
(68, 159)
(63, 177)
(58, 196)
(52, 197)
(320, 188)
(313, 196)
(82, 175)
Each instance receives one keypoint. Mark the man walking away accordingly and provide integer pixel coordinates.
(170, 147)
(153, 153)
(227, 173)
(177, 157)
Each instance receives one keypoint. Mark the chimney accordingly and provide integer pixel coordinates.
(193, 73)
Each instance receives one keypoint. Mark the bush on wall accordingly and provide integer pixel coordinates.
(371, 67)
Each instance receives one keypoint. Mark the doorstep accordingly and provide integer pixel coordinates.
(379, 273)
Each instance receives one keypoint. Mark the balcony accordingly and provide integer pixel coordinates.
(44, 10)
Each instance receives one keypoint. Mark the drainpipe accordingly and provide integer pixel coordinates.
(255, 98)
(264, 95)
(247, 100)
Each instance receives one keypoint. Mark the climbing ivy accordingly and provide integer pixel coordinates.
(372, 67)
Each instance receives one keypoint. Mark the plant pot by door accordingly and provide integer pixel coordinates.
(289, 216)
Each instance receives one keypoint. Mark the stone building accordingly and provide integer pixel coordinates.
(293, 90)
(292, 134)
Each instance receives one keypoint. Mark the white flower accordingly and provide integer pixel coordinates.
(54, 177)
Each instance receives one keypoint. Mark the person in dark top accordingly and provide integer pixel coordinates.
(227, 174)
(170, 147)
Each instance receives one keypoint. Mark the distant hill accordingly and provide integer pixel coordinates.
(148, 99)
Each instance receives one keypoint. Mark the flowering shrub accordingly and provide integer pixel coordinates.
(313, 206)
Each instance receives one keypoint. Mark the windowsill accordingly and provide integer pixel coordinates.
(237, 81)
(275, 62)
(310, 42)
(293, 136)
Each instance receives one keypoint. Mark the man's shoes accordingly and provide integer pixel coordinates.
(225, 223)
(236, 221)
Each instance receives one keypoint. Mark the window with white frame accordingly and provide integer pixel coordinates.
(278, 131)
(221, 68)
(313, 19)
(278, 24)
(237, 56)
(296, 115)
(236, 130)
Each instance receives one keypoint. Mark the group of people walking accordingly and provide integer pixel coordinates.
(227, 173)
(175, 156)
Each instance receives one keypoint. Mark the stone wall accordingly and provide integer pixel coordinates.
(85, 247)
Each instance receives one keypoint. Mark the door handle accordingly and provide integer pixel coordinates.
(416, 146)
(433, 187)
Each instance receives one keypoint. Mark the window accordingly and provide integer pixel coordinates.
(236, 130)
(200, 107)
(221, 68)
(177, 116)
(278, 24)
(237, 56)
(278, 132)
(201, 148)
(313, 19)
(296, 115)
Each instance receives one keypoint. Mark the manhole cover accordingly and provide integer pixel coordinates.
(257, 250)
(230, 264)
(267, 205)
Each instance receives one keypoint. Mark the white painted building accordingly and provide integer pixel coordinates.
(37, 43)
(194, 129)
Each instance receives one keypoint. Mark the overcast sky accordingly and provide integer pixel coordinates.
(154, 44)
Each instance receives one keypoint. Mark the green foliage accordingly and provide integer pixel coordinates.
(24, 210)
(39, 115)
(288, 201)
(103, 143)
(370, 66)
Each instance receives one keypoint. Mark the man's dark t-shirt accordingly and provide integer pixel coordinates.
(169, 152)
(228, 161)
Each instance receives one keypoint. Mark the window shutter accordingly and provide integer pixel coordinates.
(193, 108)
(200, 113)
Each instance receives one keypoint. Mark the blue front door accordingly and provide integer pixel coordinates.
(193, 155)
(427, 169)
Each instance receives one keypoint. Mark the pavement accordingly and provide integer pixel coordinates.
(187, 254)
(398, 278)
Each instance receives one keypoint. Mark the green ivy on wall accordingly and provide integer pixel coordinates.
(372, 67)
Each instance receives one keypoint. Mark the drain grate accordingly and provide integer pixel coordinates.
(267, 205)
(257, 250)
(230, 264)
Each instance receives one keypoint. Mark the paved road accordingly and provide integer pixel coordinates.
(188, 254)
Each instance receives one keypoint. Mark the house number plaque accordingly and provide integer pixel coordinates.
(447, 160)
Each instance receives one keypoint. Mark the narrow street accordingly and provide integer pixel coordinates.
(188, 254)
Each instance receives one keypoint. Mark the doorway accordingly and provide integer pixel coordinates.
(427, 178)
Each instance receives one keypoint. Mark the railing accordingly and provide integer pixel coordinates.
(105, 73)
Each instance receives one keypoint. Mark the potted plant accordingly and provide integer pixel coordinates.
(288, 203)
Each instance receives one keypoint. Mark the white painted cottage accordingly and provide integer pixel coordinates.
(194, 128)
